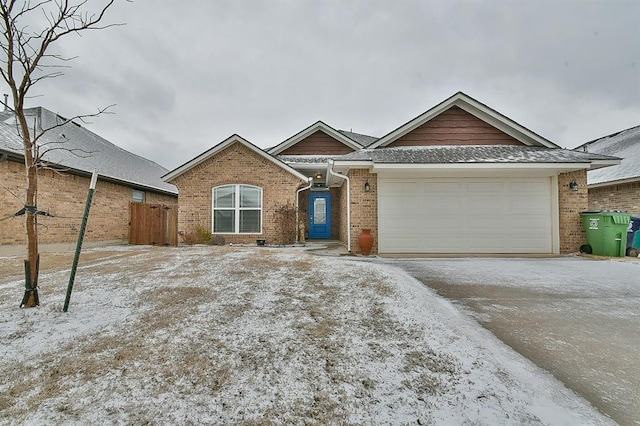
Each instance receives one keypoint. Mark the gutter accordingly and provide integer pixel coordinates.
(613, 182)
(332, 173)
(304, 188)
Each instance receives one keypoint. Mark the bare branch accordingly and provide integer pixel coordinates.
(27, 59)
(19, 197)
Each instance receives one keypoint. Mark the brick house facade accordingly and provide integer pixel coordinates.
(63, 185)
(460, 143)
(616, 187)
(236, 165)
(64, 196)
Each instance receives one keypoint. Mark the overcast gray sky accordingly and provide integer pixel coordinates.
(186, 75)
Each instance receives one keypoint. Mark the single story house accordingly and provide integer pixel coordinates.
(616, 187)
(63, 184)
(458, 178)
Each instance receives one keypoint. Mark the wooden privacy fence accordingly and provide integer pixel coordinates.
(153, 224)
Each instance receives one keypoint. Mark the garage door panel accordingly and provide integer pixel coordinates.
(465, 215)
(485, 187)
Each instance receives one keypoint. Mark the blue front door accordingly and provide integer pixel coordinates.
(319, 215)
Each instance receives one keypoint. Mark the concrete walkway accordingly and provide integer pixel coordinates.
(577, 318)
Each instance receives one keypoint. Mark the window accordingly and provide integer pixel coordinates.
(138, 196)
(237, 209)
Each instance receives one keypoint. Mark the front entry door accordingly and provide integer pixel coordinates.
(319, 215)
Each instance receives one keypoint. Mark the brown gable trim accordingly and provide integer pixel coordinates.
(455, 126)
(318, 143)
(303, 134)
(478, 109)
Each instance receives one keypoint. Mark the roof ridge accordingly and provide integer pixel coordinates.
(93, 134)
(606, 136)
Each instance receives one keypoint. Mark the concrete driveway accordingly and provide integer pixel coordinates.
(578, 318)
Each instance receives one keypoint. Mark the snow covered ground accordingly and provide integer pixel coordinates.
(221, 335)
(577, 317)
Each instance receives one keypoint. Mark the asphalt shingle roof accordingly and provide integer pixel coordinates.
(91, 151)
(471, 154)
(364, 140)
(624, 144)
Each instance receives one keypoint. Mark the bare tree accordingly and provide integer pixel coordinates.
(30, 30)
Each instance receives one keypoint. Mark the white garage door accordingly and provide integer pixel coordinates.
(470, 215)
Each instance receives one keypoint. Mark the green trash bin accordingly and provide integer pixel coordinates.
(606, 232)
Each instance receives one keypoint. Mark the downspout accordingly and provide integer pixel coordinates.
(297, 206)
(338, 175)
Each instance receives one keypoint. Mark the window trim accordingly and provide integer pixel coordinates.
(135, 200)
(236, 209)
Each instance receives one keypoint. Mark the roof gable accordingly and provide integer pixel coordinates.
(455, 126)
(318, 143)
(220, 147)
(476, 109)
(301, 137)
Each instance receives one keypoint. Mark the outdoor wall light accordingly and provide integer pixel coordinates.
(367, 187)
(573, 185)
(318, 176)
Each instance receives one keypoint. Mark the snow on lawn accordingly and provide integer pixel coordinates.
(224, 335)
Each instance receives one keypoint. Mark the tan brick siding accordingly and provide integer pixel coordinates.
(236, 164)
(64, 195)
(364, 207)
(624, 197)
(570, 204)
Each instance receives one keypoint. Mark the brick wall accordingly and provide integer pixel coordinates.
(364, 207)
(570, 204)
(625, 197)
(236, 164)
(64, 195)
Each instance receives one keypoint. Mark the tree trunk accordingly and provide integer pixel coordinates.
(31, 298)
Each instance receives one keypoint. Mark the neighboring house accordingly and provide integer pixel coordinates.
(64, 182)
(616, 187)
(459, 178)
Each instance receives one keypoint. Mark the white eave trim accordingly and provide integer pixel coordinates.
(306, 165)
(598, 164)
(355, 163)
(613, 182)
(223, 145)
(311, 130)
(476, 109)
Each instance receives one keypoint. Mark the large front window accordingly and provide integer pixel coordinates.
(237, 209)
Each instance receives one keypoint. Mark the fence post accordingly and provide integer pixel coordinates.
(83, 228)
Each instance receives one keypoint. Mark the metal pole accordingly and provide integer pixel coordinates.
(74, 267)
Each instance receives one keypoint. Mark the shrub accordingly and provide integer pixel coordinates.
(199, 236)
